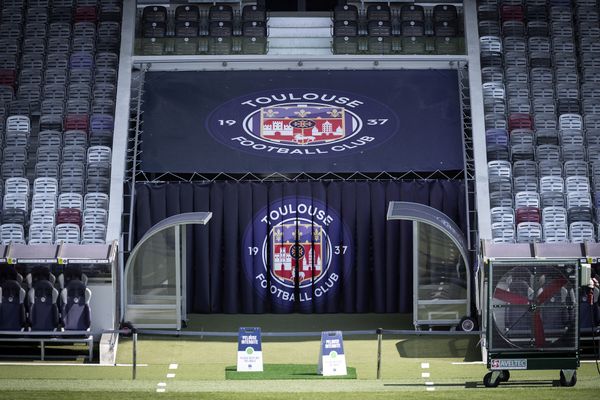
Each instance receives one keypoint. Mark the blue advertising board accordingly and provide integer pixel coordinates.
(301, 121)
(249, 350)
(332, 359)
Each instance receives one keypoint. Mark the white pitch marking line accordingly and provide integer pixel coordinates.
(470, 363)
(429, 383)
(55, 364)
(170, 375)
(430, 389)
(160, 390)
(425, 374)
(173, 366)
(161, 384)
(424, 365)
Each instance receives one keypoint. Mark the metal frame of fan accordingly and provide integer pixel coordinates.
(532, 319)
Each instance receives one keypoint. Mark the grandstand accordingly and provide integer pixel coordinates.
(185, 165)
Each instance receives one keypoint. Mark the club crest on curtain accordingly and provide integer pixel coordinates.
(300, 260)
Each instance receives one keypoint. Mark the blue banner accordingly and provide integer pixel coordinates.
(301, 121)
(308, 247)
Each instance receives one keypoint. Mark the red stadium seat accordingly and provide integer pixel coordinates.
(528, 214)
(77, 122)
(68, 216)
(520, 121)
(512, 12)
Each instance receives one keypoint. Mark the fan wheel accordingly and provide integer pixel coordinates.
(504, 375)
(570, 382)
(488, 382)
(466, 324)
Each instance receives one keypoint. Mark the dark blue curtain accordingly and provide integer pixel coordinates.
(369, 258)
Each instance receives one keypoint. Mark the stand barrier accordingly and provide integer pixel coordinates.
(378, 333)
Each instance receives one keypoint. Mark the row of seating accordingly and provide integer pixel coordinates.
(192, 21)
(55, 217)
(398, 45)
(397, 28)
(410, 20)
(43, 303)
(399, 11)
(542, 118)
(58, 78)
(197, 30)
(201, 46)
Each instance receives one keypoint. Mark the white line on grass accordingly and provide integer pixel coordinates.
(161, 384)
(428, 384)
(173, 366)
(160, 390)
(170, 375)
(56, 364)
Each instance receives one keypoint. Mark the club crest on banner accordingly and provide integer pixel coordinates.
(302, 123)
(297, 251)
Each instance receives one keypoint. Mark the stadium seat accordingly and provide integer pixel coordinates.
(345, 45)
(66, 232)
(12, 306)
(75, 310)
(581, 232)
(187, 12)
(43, 310)
(414, 12)
(378, 12)
(93, 233)
(444, 12)
(41, 234)
(378, 28)
(220, 12)
(529, 232)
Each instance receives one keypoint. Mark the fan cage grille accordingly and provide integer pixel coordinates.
(533, 308)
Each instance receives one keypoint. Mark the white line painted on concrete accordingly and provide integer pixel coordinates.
(173, 366)
(468, 363)
(424, 365)
(425, 374)
(129, 365)
(59, 364)
(170, 375)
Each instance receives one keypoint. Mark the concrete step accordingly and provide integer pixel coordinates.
(300, 32)
(299, 22)
(321, 51)
(299, 42)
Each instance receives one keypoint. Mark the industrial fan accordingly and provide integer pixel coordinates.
(532, 320)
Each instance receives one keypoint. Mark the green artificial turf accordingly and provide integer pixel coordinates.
(488, 394)
(285, 371)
